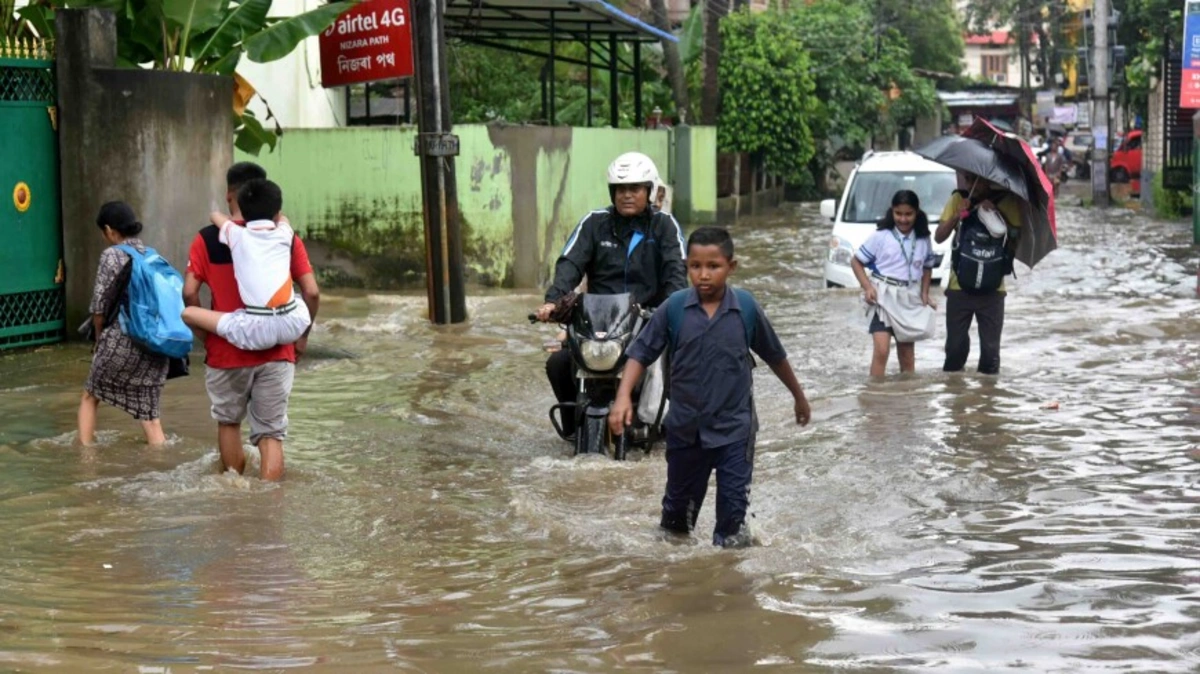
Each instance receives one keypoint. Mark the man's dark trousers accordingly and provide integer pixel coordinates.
(988, 309)
(688, 470)
(560, 370)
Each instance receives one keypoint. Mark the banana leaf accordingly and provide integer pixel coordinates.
(239, 21)
(284, 35)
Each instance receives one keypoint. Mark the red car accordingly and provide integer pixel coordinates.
(1125, 165)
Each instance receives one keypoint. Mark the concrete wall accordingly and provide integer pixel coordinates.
(159, 141)
(354, 194)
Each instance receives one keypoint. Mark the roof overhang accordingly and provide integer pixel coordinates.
(962, 99)
(557, 20)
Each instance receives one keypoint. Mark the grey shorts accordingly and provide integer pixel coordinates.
(261, 391)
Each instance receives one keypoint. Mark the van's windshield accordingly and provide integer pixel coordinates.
(871, 195)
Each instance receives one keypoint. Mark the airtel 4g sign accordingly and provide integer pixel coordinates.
(372, 41)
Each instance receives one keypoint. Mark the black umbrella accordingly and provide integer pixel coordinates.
(1040, 228)
(973, 156)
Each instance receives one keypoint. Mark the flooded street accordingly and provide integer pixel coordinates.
(431, 522)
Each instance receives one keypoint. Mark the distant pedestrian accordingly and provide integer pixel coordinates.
(895, 267)
(712, 422)
(122, 375)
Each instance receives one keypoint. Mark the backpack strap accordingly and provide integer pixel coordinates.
(129, 250)
(749, 311)
(674, 307)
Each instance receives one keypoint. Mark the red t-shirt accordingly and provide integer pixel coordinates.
(210, 262)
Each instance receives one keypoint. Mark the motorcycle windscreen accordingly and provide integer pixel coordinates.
(604, 315)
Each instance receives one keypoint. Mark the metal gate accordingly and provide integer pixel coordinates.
(31, 270)
(1177, 126)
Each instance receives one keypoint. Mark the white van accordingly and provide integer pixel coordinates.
(868, 196)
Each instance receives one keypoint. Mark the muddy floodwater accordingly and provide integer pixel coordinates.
(430, 521)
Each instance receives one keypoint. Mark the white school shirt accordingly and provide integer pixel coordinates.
(889, 253)
(262, 261)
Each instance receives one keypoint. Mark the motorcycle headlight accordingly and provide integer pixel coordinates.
(840, 251)
(600, 356)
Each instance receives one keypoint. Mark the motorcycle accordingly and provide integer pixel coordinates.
(599, 330)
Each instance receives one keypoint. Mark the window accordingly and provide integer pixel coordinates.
(872, 193)
(383, 103)
(993, 65)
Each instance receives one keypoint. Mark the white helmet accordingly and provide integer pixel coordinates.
(633, 168)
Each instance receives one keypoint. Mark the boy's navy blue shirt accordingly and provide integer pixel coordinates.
(711, 383)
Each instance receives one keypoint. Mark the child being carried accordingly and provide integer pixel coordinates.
(262, 253)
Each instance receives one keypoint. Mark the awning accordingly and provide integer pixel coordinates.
(559, 20)
(596, 24)
(978, 99)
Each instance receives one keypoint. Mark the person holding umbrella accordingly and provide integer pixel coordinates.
(969, 212)
(1003, 211)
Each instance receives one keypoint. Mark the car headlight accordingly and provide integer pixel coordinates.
(937, 259)
(840, 251)
(600, 356)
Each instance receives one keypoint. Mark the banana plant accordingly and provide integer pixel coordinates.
(205, 36)
(22, 23)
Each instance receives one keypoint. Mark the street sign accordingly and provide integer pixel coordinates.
(372, 41)
(1189, 83)
(436, 145)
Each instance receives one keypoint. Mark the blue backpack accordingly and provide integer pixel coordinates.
(152, 314)
(675, 304)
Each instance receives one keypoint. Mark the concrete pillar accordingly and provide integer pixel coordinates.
(160, 141)
(682, 203)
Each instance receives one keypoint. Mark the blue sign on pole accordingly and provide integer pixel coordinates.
(1189, 84)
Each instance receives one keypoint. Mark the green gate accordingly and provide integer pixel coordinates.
(31, 271)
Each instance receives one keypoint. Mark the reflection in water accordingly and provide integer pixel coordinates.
(430, 521)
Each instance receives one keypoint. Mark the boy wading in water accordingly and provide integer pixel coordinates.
(710, 329)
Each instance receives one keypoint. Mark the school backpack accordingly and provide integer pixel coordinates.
(678, 299)
(981, 261)
(152, 314)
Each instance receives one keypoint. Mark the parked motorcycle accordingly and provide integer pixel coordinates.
(599, 330)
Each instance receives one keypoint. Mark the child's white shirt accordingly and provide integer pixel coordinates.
(262, 261)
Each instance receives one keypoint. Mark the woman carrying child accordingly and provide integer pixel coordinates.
(889, 266)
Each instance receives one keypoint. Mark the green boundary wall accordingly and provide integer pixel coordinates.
(354, 194)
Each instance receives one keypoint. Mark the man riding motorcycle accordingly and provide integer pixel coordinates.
(627, 247)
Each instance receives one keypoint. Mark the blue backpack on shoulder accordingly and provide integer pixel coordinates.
(152, 315)
(677, 300)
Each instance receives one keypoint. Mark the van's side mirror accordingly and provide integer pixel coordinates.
(828, 208)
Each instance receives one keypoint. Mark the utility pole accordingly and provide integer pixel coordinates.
(1099, 87)
(437, 147)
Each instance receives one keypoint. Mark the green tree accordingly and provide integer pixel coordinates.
(858, 69)
(715, 12)
(932, 29)
(1037, 26)
(1145, 29)
(489, 84)
(767, 91)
